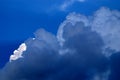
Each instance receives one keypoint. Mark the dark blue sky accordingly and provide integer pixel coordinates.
(20, 18)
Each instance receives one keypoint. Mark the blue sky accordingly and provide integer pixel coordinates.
(19, 19)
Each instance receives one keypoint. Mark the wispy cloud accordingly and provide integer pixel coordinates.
(81, 0)
(68, 3)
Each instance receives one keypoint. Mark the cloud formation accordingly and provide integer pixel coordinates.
(68, 3)
(82, 50)
(105, 22)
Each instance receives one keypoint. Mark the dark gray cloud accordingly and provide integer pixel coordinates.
(115, 65)
(77, 53)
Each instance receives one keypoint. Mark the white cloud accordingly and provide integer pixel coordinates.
(18, 53)
(107, 23)
(68, 3)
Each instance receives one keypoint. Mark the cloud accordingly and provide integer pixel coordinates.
(68, 3)
(77, 52)
(81, 0)
(18, 53)
(115, 64)
(107, 24)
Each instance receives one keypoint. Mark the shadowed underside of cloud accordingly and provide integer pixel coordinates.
(82, 50)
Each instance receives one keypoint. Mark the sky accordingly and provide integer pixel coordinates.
(19, 20)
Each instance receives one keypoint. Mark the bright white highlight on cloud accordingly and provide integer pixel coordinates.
(60, 33)
(68, 3)
(18, 53)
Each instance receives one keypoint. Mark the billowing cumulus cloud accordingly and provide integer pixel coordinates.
(107, 24)
(82, 50)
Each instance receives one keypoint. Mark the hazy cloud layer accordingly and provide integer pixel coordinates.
(82, 50)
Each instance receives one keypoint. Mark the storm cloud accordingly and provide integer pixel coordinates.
(85, 48)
